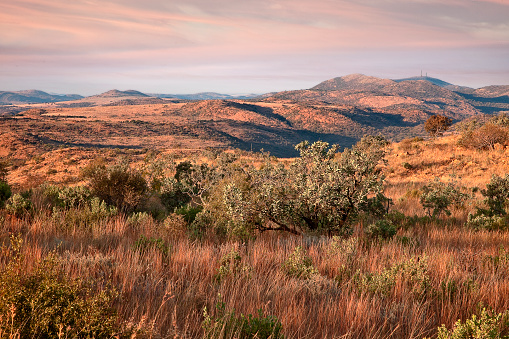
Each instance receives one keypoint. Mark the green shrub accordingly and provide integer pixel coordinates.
(45, 303)
(437, 197)
(231, 265)
(5, 193)
(484, 222)
(18, 205)
(382, 229)
(85, 217)
(143, 244)
(485, 326)
(496, 195)
(299, 265)
(227, 325)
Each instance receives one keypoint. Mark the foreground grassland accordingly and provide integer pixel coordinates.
(142, 270)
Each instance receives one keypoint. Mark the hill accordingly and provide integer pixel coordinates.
(33, 96)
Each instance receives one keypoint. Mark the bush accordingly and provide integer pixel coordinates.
(484, 137)
(143, 244)
(437, 124)
(320, 191)
(228, 325)
(85, 217)
(497, 194)
(45, 303)
(437, 197)
(117, 185)
(299, 265)
(18, 206)
(486, 326)
(382, 229)
(5, 193)
(480, 222)
(231, 265)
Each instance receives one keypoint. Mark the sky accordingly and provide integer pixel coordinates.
(246, 46)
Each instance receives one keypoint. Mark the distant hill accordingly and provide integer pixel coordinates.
(120, 94)
(33, 96)
(434, 81)
(204, 96)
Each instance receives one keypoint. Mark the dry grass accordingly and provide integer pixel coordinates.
(165, 295)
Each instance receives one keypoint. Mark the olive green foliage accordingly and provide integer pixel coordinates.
(232, 266)
(487, 325)
(117, 185)
(18, 205)
(143, 244)
(44, 303)
(381, 229)
(496, 198)
(299, 265)
(65, 197)
(438, 197)
(228, 325)
(437, 124)
(413, 274)
(85, 217)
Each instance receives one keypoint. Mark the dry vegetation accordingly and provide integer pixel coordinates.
(433, 271)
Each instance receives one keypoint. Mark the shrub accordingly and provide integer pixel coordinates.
(228, 325)
(18, 205)
(485, 326)
(143, 244)
(437, 125)
(45, 303)
(299, 265)
(117, 185)
(437, 197)
(497, 194)
(84, 217)
(320, 191)
(5, 193)
(480, 222)
(381, 229)
(484, 137)
(231, 265)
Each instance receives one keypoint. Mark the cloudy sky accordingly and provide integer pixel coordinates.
(246, 46)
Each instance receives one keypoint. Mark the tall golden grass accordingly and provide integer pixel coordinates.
(164, 296)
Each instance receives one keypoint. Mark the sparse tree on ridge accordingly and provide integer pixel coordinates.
(436, 125)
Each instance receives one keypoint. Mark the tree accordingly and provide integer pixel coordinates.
(437, 124)
(321, 190)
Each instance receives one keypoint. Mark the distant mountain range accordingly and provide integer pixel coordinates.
(34, 96)
(340, 110)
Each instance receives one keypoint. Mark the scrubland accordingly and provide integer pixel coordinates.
(145, 267)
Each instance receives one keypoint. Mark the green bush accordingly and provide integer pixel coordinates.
(438, 197)
(382, 229)
(227, 325)
(45, 303)
(496, 194)
(143, 244)
(485, 326)
(18, 205)
(85, 217)
(5, 193)
(480, 222)
(299, 265)
(231, 265)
